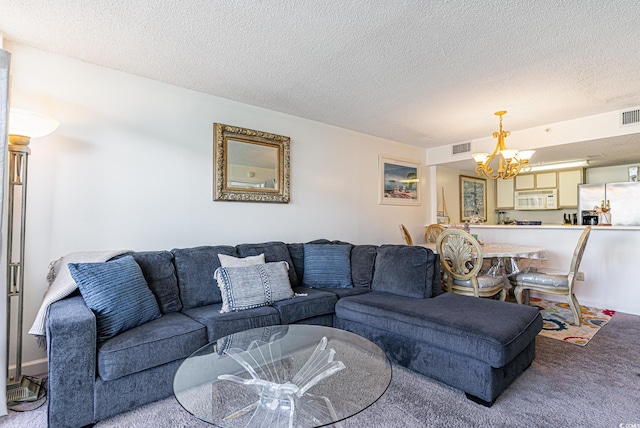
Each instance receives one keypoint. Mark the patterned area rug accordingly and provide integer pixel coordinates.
(558, 321)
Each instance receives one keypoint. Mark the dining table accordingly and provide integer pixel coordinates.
(508, 257)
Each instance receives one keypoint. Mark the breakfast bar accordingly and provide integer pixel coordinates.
(608, 264)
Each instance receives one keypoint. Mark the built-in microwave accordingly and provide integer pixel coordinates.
(536, 200)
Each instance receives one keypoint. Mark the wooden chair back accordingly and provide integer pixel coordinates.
(432, 232)
(406, 236)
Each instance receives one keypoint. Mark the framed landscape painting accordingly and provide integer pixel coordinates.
(399, 181)
(473, 198)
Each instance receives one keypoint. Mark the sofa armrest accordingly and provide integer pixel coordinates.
(71, 350)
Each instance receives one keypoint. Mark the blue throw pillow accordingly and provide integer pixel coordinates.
(117, 293)
(327, 266)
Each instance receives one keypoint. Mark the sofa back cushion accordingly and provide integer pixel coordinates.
(363, 259)
(194, 269)
(405, 271)
(273, 252)
(327, 266)
(159, 271)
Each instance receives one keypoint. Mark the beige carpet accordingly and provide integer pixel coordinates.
(566, 386)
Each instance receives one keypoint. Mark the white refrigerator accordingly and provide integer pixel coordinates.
(624, 199)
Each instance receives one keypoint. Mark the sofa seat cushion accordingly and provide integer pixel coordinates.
(488, 330)
(345, 292)
(222, 324)
(307, 303)
(168, 338)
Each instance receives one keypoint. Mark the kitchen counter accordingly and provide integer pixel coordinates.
(551, 226)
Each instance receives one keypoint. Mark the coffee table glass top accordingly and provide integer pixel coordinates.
(282, 376)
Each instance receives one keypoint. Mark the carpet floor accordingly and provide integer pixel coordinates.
(566, 386)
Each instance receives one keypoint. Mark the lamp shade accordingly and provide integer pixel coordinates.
(30, 124)
(525, 154)
(509, 153)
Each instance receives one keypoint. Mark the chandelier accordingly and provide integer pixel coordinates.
(511, 161)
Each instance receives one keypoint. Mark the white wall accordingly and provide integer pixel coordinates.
(608, 174)
(131, 167)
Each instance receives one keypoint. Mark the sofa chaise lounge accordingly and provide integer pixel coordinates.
(392, 296)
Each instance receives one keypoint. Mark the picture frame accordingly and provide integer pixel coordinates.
(473, 198)
(250, 165)
(399, 181)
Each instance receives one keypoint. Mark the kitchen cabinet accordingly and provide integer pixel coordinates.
(568, 181)
(538, 180)
(504, 194)
(525, 182)
(546, 180)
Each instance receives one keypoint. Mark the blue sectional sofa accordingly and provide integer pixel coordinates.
(394, 298)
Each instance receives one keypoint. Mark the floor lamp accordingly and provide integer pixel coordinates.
(23, 125)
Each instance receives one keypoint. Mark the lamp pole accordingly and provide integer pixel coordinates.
(18, 163)
(23, 126)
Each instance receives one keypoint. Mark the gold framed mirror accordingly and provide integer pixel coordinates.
(249, 165)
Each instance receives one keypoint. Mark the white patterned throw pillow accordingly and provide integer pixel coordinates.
(247, 287)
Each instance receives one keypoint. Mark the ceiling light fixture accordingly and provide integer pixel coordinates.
(511, 161)
(559, 165)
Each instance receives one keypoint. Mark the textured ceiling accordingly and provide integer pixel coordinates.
(425, 73)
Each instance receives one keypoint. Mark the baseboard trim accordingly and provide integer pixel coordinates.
(32, 368)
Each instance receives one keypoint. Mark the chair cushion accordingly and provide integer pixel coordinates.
(487, 330)
(484, 281)
(222, 324)
(251, 286)
(172, 337)
(404, 270)
(195, 268)
(542, 278)
(307, 303)
(117, 293)
(327, 265)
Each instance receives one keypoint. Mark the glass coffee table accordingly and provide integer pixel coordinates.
(282, 376)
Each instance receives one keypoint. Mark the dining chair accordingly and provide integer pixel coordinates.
(406, 236)
(554, 283)
(461, 260)
(432, 232)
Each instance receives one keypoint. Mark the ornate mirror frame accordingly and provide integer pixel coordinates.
(248, 188)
